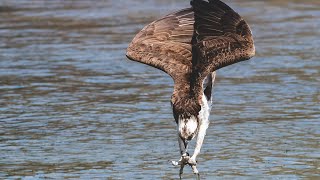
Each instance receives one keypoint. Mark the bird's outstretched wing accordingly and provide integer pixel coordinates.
(221, 38)
(166, 44)
(191, 43)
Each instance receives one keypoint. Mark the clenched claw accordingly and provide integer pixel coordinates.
(187, 160)
(182, 161)
(194, 169)
(181, 171)
(175, 163)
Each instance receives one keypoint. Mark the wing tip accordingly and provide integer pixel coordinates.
(129, 53)
(251, 51)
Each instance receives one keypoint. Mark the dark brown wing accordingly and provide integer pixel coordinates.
(166, 44)
(221, 37)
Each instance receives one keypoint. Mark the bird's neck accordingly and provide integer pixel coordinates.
(185, 102)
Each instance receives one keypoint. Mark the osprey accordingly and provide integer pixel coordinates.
(190, 45)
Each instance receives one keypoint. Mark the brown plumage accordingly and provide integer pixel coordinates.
(190, 44)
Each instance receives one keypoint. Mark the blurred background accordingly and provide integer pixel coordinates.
(73, 107)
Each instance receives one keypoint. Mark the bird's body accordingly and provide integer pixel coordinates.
(190, 45)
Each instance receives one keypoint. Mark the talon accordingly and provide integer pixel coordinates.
(181, 171)
(195, 170)
(180, 175)
(175, 163)
(192, 162)
(182, 161)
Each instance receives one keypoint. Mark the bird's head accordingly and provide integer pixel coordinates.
(186, 113)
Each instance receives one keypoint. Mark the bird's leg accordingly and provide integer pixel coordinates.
(184, 155)
(183, 161)
(183, 151)
(201, 134)
(183, 146)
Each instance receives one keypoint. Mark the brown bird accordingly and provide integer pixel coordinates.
(190, 45)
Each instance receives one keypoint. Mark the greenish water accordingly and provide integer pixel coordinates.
(73, 107)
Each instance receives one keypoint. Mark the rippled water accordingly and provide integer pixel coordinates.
(73, 107)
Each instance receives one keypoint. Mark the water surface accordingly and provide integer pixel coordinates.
(73, 107)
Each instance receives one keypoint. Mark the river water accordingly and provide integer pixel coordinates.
(73, 107)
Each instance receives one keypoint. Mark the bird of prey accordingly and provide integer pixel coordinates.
(190, 45)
